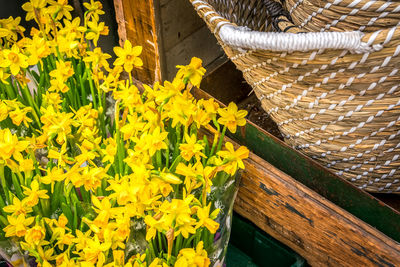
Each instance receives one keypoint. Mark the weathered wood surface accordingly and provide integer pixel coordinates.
(198, 44)
(170, 32)
(137, 23)
(321, 232)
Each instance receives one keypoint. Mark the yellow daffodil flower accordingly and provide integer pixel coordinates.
(59, 9)
(205, 219)
(231, 117)
(35, 235)
(95, 29)
(234, 158)
(17, 225)
(189, 257)
(94, 8)
(193, 72)
(34, 193)
(128, 56)
(15, 59)
(33, 6)
(191, 148)
(18, 207)
(10, 146)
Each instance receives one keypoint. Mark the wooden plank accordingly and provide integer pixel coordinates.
(201, 44)
(137, 22)
(178, 21)
(321, 232)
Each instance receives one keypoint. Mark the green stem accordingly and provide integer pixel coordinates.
(178, 244)
(175, 163)
(160, 247)
(91, 87)
(158, 159)
(17, 186)
(4, 184)
(83, 90)
(221, 139)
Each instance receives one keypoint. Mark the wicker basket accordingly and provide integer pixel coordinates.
(334, 94)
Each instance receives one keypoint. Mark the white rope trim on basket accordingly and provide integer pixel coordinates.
(242, 37)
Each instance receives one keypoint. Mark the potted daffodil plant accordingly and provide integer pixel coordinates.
(97, 171)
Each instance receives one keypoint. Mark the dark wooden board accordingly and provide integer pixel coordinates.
(321, 232)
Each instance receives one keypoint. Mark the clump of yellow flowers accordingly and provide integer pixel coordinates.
(94, 171)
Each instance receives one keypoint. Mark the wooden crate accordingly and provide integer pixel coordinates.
(170, 32)
(305, 218)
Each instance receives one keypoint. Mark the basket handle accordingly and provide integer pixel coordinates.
(244, 38)
(280, 18)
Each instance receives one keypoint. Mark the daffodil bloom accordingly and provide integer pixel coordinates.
(56, 124)
(63, 71)
(110, 150)
(121, 191)
(104, 210)
(46, 254)
(15, 59)
(4, 76)
(54, 175)
(61, 156)
(10, 146)
(205, 219)
(190, 257)
(128, 56)
(18, 207)
(191, 148)
(20, 115)
(26, 166)
(193, 72)
(37, 49)
(17, 225)
(94, 8)
(94, 249)
(97, 58)
(231, 117)
(59, 9)
(156, 140)
(180, 110)
(95, 30)
(69, 44)
(34, 193)
(33, 6)
(3, 111)
(128, 94)
(35, 235)
(12, 27)
(72, 27)
(155, 225)
(52, 99)
(133, 126)
(234, 158)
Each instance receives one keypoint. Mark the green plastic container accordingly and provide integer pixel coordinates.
(251, 247)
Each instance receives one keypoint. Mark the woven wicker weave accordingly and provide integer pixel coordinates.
(331, 83)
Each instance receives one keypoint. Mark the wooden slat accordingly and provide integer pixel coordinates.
(201, 44)
(178, 20)
(321, 232)
(137, 23)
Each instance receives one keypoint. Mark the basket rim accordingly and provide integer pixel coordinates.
(244, 38)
